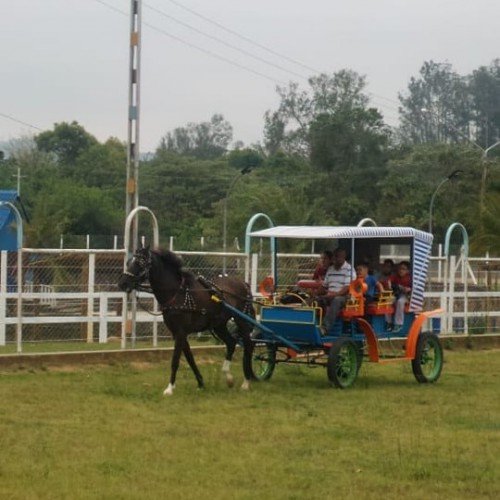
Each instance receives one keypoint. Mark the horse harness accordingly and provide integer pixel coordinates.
(189, 303)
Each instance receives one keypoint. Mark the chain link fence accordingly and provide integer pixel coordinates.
(70, 298)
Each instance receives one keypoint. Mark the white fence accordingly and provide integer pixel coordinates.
(70, 298)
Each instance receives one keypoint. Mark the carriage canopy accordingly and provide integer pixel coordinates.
(366, 240)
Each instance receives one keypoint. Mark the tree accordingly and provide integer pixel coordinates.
(288, 127)
(245, 159)
(406, 191)
(484, 87)
(67, 141)
(206, 140)
(66, 207)
(103, 166)
(442, 106)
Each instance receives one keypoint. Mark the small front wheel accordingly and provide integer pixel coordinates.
(263, 361)
(343, 363)
(428, 361)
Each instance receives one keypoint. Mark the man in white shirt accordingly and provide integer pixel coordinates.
(336, 283)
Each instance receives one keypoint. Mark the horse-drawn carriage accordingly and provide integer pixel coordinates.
(293, 333)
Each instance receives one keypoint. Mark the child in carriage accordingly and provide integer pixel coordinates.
(401, 285)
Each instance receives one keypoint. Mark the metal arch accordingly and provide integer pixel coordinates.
(128, 224)
(19, 224)
(465, 238)
(248, 230)
(130, 313)
(364, 221)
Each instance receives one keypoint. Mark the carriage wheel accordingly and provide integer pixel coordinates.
(343, 363)
(428, 361)
(262, 363)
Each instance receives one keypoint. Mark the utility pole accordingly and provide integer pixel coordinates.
(132, 187)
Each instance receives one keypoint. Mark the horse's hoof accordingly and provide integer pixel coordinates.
(229, 380)
(245, 386)
(169, 391)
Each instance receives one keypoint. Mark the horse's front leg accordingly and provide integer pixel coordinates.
(192, 363)
(180, 339)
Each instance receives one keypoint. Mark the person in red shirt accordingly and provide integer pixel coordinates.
(325, 261)
(386, 276)
(401, 284)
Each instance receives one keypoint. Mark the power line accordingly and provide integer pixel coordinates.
(193, 46)
(223, 42)
(243, 37)
(20, 121)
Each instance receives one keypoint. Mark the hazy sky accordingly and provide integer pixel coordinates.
(64, 60)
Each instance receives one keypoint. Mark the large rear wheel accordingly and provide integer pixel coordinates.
(262, 362)
(428, 361)
(343, 363)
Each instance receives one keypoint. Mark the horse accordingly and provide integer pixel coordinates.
(187, 306)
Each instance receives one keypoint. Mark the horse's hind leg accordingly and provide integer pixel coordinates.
(192, 363)
(245, 329)
(223, 333)
(180, 339)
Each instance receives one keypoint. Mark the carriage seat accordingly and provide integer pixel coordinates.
(383, 304)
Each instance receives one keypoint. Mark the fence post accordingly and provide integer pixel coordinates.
(103, 319)
(465, 277)
(440, 269)
(254, 271)
(451, 293)
(90, 300)
(3, 292)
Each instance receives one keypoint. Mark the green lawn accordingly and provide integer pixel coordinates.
(106, 432)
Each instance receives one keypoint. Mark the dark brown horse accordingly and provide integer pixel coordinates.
(187, 307)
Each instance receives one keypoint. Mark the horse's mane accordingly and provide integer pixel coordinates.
(169, 259)
(174, 262)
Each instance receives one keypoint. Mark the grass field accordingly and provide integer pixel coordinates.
(106, 432)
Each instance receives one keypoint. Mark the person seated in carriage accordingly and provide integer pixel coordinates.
(401, 285)
(325, 261)
(336, 286)
(372, 285)
(386, 275)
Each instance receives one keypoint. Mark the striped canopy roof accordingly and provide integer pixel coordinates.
(422, 243)
(338, 232)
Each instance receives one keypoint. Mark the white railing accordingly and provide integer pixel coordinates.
(72, 295)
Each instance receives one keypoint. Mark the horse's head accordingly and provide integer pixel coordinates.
(137, 271)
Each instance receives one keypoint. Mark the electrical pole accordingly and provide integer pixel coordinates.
(132, 186)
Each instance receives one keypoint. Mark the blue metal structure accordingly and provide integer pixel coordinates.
(8, 234)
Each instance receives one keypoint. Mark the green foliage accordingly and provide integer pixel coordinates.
(64, 207)
(67, 141)
(182, 191)
(245, 159)
(443, 106)
(484, 88)
(412, 178)
(205, 140)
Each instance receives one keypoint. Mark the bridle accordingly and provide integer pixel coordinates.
(144, 263)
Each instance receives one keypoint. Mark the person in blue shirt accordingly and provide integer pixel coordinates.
(370, 280)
